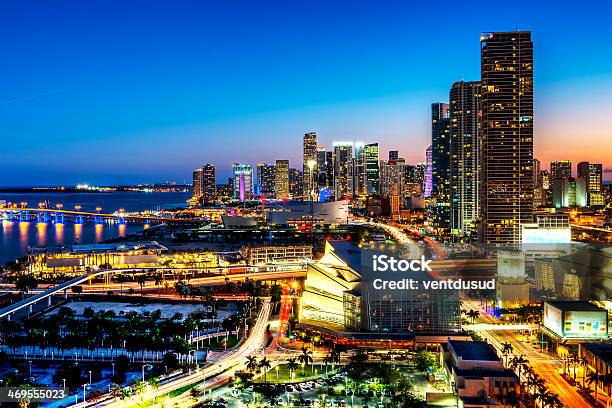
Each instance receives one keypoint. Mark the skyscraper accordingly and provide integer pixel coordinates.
(507, 134)
(464, 137)
(205, 183)
(281, 180)
(209, 183)
(392, 175)
(359, 181)
(438, 212)
(266, 178)
(322, 168)
(560, 169)
(393, 154)
(427, 182)
(296, 184)
(196, 187)
(372, 172)
(243, 181)
(343, 169)
(592, 173)
(310, 154)
(440, 151)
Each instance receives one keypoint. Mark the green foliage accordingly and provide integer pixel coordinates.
(425, 360)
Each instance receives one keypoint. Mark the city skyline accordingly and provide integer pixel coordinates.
(374, 93)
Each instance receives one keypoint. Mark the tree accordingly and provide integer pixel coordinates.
(305, 357)
(593, 377)
(251, 364)
(292, 365)
(142, 279)
(26, 283)
(264, 364)
(425, 360)
(506, 350)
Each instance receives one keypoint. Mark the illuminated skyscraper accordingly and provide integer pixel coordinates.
(296, 184)
(393, 154)
(592, 173)
(323, 167)
(427, 182)
(507, 135)
(372, 172)
(393, 176)
(464, 137)
(266, 178)
(343, 170)
(310, 154)
(560, 169)
(438, 212)
(281, 180)
(359, 181)
(243, 181)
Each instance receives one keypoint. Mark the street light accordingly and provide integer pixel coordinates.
(64, 380)
(84, 399)
(89, 376)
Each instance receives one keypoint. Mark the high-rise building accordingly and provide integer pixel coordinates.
(310, 155)
(372, 171)
(322, 168)
(393, 154)
(343, 170)
(438, 212)
(266, 178)
(281, 180)
(537, 173)
(209, 183)
(359, 174)
(243, 181)
(464, 149)
(196, 187)
(592, 173)
(427, 182)
(440, 150)
(560, 169)
(569, 192)
(296, 184)
(392, 175)
(507, 135)
(419, 175)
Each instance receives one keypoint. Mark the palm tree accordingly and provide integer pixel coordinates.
(506, 350)
(541, 394)
(593, 377)
(517, 363)
(305, 358)
(473, 315)
(265, 364)
(251, 364)
(328, 359)
(292, 365)
(584, 363)
(552, 400)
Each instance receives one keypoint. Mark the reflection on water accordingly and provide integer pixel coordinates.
(41, 235)
(147, 226)
(23, 234)
(59, 233)
(16, 236)
(99, 230)
(78, 233)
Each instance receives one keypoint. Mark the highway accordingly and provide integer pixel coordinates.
(210, 280)
(224, 364)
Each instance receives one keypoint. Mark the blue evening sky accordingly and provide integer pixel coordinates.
(129, 91)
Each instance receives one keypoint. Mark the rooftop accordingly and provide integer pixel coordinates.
(574, 305)
(473, 350)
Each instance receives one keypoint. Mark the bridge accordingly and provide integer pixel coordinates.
(58, 215)
(210, 280)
